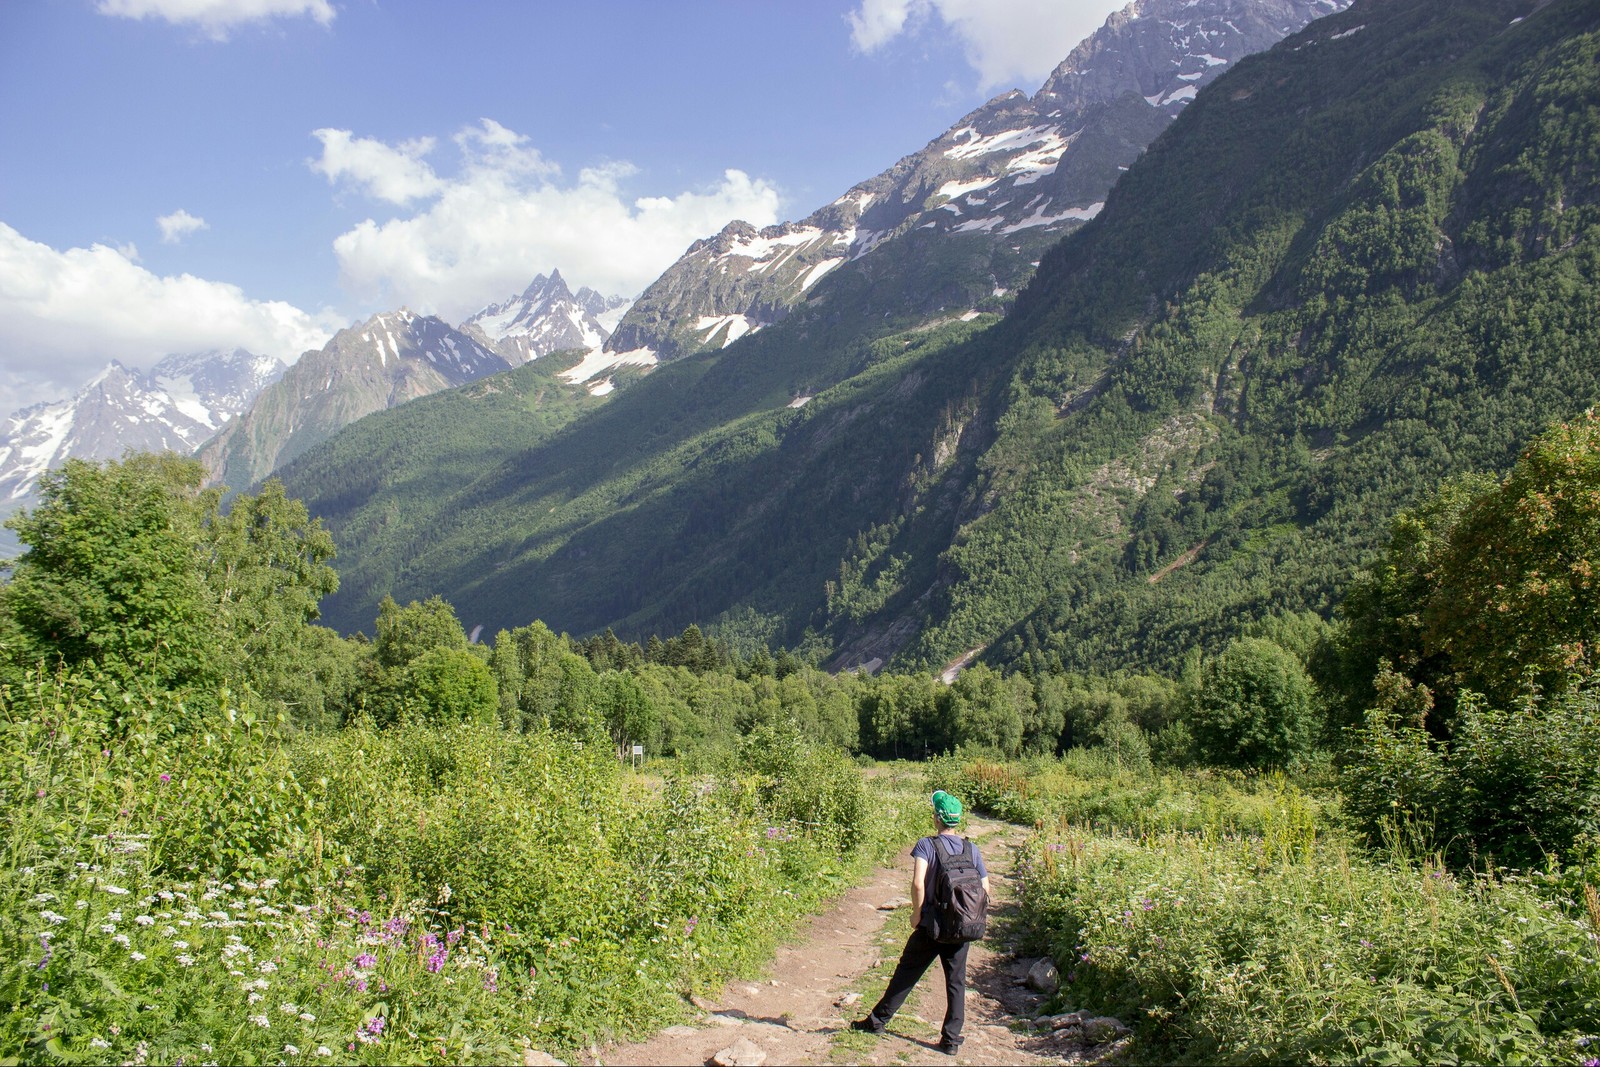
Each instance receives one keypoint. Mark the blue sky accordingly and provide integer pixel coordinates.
(184, 174)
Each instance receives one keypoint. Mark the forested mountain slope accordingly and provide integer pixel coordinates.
(1354, 265)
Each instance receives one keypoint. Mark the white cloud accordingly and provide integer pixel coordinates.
(63, 315)
(176, 226)
(217, 18)
(1007, 42)
(397, 174)
(508, 215)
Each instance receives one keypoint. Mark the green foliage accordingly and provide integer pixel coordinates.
(1517, 595)
(405, 633)
(1511, 787)
(449, 685)
(110, 578)
(1253, 707)
(1241, 950)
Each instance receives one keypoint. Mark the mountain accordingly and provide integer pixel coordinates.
(389, 359)
(1012, 176)
(1356, 264)
(178, 404)
(547, 317)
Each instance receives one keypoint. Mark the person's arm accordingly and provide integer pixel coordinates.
(919, 878)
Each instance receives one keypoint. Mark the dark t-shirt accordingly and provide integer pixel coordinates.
(950, 845)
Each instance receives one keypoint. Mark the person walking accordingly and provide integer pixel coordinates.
(932, 935)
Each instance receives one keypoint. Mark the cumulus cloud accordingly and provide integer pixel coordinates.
(218, 18)
(63, 315)
(508, 215)
(394, 173)
(176, 226)
(1007, 42)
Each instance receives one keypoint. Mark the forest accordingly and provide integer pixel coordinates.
(232, 832)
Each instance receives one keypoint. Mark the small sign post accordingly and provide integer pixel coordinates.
(638, 754)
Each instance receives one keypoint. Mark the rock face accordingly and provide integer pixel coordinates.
(547, 317)
(179, 403)
(1019, 165)
(387, 360)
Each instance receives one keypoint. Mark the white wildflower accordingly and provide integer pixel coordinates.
(139, 957)
(261, 1021)
(186, 960)
(144, 920)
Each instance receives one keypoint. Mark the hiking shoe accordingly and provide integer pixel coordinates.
(949, 1048)
(866, 1026)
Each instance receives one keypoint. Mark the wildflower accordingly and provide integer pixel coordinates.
(165, 778)
(324, 1050)
(307, 1017)
(254, 998)
(99, 1042)
(52, 918)
(1365, 943)
(289, 1009)
(122, 939)
(366, 961)
(290, 1050)
(115, 890)
(80, 905)
(266, 966)
(186, 960)
(137, 957)
(689, 927)
(261, 1021)
(180, 944)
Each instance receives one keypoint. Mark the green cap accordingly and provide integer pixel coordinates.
(947, 808)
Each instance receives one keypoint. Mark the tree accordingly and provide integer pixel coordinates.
(450, 685)
(985, 712)
(1253, 707)
(265, 563)
(110, 576)
(1516, 603)
(405, 633)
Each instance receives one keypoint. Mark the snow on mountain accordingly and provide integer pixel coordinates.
(177, 405)
(391, 358)
(1018, 163)
(547, 317)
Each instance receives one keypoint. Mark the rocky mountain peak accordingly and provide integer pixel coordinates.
(1014, 170)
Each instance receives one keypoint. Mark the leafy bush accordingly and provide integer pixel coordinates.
(1517, 785)
(1237, 950)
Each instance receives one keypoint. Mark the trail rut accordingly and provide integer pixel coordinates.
(792, 1013)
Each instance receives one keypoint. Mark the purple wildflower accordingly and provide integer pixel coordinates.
(366, 961)
(375, 1025)
(165, 778)
(453, 936)
(1365, 943)
(689, 928)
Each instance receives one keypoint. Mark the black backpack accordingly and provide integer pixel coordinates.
(960, 903)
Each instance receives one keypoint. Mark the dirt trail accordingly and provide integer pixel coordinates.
(791, 1014)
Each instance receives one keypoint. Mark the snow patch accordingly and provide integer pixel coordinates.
(815, 273)
(736, 325)
(598, 359)
(1351, 32)
(800, 401)
(1040, 217)
(1009, 141)
(955, 189)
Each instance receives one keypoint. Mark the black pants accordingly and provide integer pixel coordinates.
(920, 951)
